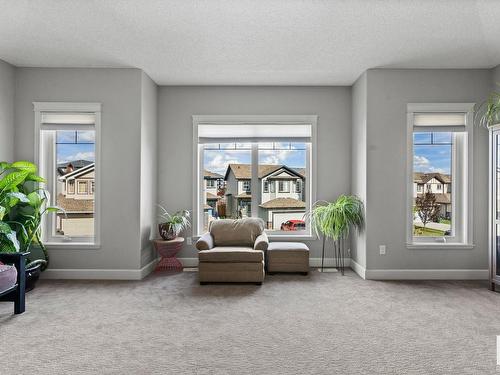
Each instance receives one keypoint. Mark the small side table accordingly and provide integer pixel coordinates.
(167, 251)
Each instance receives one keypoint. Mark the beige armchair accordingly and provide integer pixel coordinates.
(233, 251)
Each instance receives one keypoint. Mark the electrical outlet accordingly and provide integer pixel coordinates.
(382, 249)
(348, 253)
(189, 241)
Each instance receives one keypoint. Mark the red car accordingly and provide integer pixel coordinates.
(293, 225)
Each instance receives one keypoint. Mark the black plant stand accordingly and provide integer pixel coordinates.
(338, 249)
(339, 255)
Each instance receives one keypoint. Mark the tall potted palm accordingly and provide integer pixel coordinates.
(333, 220)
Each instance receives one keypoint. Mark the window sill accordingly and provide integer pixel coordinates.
(71, 245)
(439, 246)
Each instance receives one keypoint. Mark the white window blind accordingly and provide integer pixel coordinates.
(433, 122)
(60, 120)
(208, 133)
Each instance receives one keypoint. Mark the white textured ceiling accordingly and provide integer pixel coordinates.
(251, 42)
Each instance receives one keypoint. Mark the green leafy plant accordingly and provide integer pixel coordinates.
(488, 112)
(170, 226)
(23, 203)
(334, 220)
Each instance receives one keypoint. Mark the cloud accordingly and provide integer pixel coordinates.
(275, 157)
(218, 162)
(423, 164)
(420, 162)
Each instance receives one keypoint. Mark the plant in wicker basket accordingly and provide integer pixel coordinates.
(170, 226)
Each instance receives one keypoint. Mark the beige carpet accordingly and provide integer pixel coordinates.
(321, 324)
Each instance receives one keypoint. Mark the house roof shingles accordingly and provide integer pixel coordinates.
(75, 205)
(283, 203)
(244, 171)
(441, 198)
(423, 178)
(209, 174)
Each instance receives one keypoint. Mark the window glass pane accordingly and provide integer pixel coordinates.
(432, 184)
(75, 181)
(421, 138)
(229, 165)
(282, 165)
(441, 137)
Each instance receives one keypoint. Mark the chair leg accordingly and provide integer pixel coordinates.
(19, 299)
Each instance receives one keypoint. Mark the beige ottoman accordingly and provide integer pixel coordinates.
(287, 257)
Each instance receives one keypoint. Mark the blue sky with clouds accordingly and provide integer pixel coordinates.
(218, 160)
(432, 154)
(73, 145)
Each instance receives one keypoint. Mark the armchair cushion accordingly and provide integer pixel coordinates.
(242, 232)
(231, 255)
(8, 277)
(205, 242)
(262, 242)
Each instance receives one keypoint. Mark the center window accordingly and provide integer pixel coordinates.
(266, 177)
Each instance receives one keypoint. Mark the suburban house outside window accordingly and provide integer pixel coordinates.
(439, 144)
(246, 186)
(82, 187)
(266, 168)
(298, 185)
(284, 187)
(67, 139)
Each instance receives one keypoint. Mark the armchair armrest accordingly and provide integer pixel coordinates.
(261, 242)
(205, 242)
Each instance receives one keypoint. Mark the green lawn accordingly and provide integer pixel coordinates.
(445, 221)
(420, 231)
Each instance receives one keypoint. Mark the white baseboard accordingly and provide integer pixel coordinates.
(99, 274)
(313, 262)
(380, 274)
(430, 274)
(358, 268)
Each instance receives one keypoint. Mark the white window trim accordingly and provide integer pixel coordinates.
(96, 108)
(467, 195)
(254, 119)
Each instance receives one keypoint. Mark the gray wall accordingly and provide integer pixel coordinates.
(119, 91)
(496, 78)
(388, 93)
(149, 166)
(178, 104)
(358, 162)
(7, 94)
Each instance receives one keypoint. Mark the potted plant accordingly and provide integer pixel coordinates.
(23, 203)
(170, 226)
(488, 113)
(333, 220)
